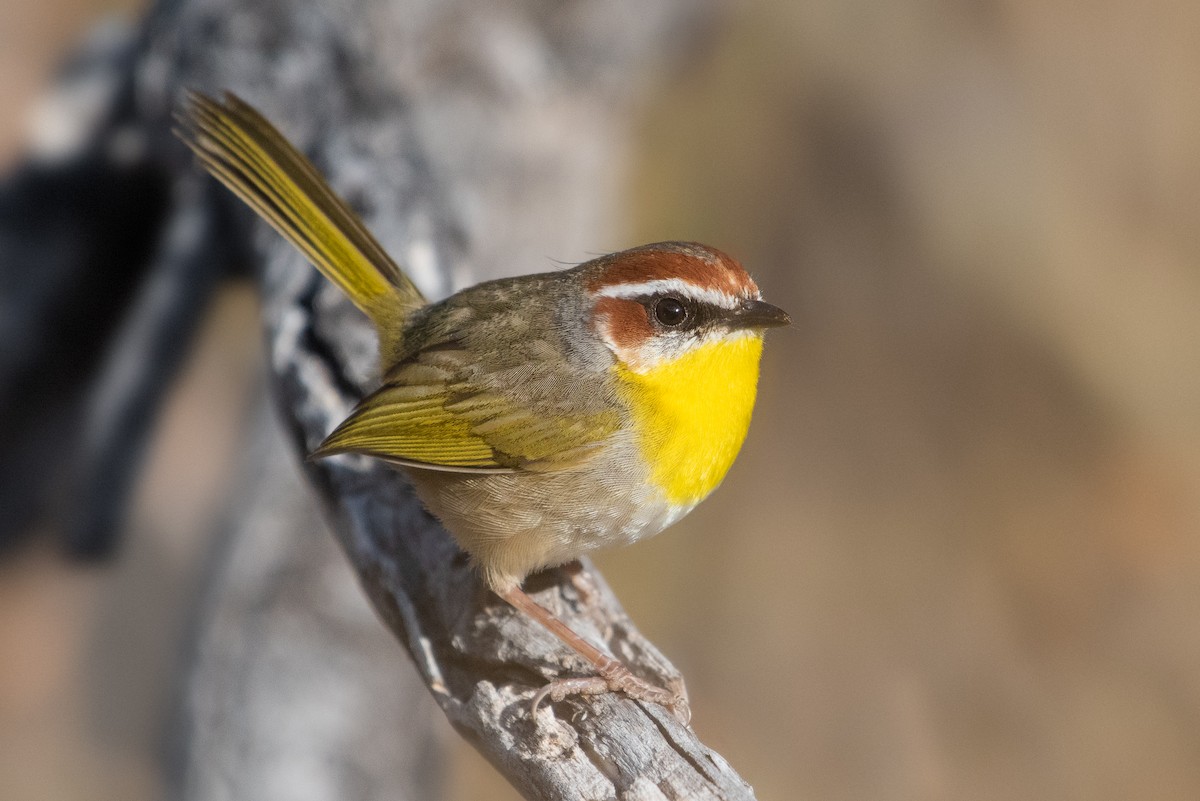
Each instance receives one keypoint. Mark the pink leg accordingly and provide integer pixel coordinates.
(613, 676)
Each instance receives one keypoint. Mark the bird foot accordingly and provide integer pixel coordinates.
(616, 678)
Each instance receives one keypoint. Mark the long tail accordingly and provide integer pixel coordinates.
(247, 154)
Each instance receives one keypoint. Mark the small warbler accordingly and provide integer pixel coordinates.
(538, 417)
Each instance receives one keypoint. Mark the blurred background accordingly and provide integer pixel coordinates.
(960, 554)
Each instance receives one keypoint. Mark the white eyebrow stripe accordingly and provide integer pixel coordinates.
(676, 286)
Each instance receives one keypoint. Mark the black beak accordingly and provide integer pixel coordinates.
(759, 314)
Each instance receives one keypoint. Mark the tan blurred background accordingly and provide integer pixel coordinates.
(960, 555)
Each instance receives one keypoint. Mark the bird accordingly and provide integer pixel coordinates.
(538, 417)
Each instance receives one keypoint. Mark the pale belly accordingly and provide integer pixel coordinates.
(515, 523)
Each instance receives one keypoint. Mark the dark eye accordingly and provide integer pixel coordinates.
(670, 311)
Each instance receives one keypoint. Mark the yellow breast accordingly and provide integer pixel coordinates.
(691, 415)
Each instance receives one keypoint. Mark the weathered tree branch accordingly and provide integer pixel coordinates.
(476, 139)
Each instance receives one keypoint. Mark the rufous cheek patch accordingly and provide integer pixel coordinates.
(624, 323)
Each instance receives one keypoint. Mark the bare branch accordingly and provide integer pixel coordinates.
(477, 139)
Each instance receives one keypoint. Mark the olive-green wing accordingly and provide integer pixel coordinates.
(420, 419)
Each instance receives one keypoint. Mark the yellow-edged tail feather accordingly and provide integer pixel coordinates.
(247, 154)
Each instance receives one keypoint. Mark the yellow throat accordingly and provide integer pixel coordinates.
(691, 414)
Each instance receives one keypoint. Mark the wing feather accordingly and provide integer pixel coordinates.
(458, 425)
